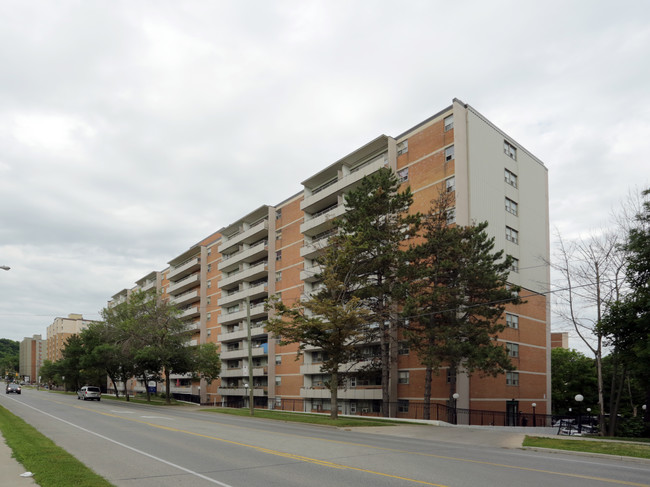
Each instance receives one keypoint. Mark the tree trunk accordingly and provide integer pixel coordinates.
(334, 391)
(385, 370)
(601, 399)
(168, 387)
(117, 392)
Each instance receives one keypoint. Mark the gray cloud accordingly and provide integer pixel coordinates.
(128, 132)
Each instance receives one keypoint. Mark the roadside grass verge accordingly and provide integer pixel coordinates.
(142, 399)
(51, 465)
(606, 447)
(306, 417)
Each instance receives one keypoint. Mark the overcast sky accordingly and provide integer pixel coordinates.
(130, 130)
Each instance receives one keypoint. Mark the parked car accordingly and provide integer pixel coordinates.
(13, 387)
(89, 392)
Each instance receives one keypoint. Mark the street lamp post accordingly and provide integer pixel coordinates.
(455, 396)
(534, 418)
(579, 398)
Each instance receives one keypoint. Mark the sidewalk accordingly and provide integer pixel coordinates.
(10, 469)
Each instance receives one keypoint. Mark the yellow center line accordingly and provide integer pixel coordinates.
(339, 466)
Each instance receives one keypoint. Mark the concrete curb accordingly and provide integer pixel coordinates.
(604, 456)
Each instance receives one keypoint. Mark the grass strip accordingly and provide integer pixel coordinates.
(618, 448)
(306, 417)
(51, 465)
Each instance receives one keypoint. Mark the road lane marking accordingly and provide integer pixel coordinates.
(333, 465)
(148, 455)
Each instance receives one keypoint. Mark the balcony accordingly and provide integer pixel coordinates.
(184, 284)
(311, 369)
(249, 274)
(350, 177)
(322, 220)
(240, 372)
(257, 311)
(254, 292)
(243, 353)
(256, 231)
(310, 274)
(251, 254)
(311, 250)
(363, 392)
(195, 325)
(185, 299)
(242, 333)
(190, 312)
(184, 269)
(242, 391)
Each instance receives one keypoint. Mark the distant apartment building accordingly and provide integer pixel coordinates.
(223, 280)
(560, 340)
(32, 355)
(59, 332)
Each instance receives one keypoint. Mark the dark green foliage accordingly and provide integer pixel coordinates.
(626, 325)
(376, 225)
(457, 294)
(572, 373)
(333, 319)
(9, 356)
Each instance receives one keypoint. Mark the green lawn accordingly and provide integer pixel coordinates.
(51, 465)
(639, 449)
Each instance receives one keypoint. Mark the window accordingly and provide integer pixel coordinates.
(209, 300)
(278, 360)
(515, 265)
(209, 250)
(403, 174)
(511, 178)
(278, 381)
(403, 348)
(512, 206)
(451, 216)
(278, 255)
(209, 316)
(209, 284)
(512, 378)
(209, 267)
(278, 234)
(402, 406)
(278, 214)
(402, 147)
(510, 150)
(513, 349)
(512, 321)
(451, 378)
(278, 276)
(449, 153)
(449, 123)
(512, 235)
(450, 184)
(403, 377)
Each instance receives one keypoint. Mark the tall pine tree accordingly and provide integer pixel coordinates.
(458, 292)
(376, 223)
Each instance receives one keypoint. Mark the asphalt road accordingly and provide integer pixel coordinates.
(135, 445)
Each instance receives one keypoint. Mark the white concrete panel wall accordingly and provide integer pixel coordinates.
(486, 163)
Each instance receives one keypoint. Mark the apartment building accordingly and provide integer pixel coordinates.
(221, 282)
(31, 357)
(59, 332)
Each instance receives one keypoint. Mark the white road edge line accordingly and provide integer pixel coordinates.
(191, 472)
